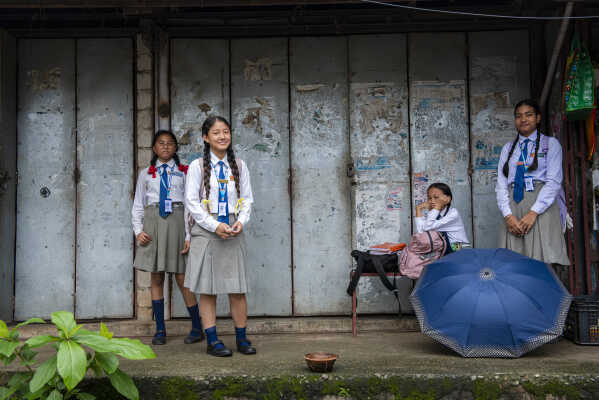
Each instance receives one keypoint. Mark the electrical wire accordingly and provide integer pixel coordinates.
(435, 10)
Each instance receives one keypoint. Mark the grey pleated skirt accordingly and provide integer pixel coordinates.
(545, 241)
(215, 265)
(163, 253)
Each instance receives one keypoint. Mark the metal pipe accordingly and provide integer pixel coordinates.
(556, 50)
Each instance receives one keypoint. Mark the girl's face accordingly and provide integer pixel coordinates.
(434, 194)
(526, 119)
(165, 147)
(218, 137)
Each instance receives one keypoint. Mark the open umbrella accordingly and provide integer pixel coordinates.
(490, 303)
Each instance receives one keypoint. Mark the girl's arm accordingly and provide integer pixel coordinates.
(553, 185)
(193, 200)
(446, 223)
(245, 188)
(137, 212)
(501, 187)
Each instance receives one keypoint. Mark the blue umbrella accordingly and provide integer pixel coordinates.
(490, 303)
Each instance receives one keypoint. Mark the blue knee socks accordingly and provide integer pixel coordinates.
(212, 337)
(240, 335)
(196, 320)
(158, 307)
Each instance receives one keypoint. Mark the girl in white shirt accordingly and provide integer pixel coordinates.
(158, 218)
(218, 196)
(529, 181)
(441, 217)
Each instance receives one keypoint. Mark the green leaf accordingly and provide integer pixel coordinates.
(124, 384)
(14, 334)
(55, 395)
(74, 331)
(27, 353)
(37, 395)
(8, 360)
(108, 361)
(64, 321)
(18, 379)
(7, 348)
(3, 330)
(43, 374)
(5, 392)
(105, 332)
(95, 342)
(132, 349)
(86, 396)
(71, 363)
(98, 371)
(31, 321)
(39, 341)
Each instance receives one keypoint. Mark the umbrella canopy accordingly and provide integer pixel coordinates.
(490, 303)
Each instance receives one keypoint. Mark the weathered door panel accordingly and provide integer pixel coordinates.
(380, 152)
(499, 78)
(260, 107)
(45, 249)
(104, 279)
(8, 171)
(199, 88)
(320, 190)
(438, 118)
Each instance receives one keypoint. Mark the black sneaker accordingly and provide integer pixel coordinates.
(221, 351)
(159, 338)
(245, 347)
(190, 339)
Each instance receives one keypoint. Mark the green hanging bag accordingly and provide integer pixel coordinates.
(579, 94)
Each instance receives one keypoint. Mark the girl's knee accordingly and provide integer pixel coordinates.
(157, 278)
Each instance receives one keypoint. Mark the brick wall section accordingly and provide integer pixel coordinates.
(144, 130)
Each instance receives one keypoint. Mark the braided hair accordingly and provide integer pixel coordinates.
(155, 139)
(443, 187)
(207, 167)
(535, 163)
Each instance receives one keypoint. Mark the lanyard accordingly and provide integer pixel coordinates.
(531, 146)
(222, 183)
(167, 185)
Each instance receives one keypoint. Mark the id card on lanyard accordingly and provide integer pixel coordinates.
(223, 203)
(168, 202)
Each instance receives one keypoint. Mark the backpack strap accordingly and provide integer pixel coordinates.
(359, 256)
(376, 261)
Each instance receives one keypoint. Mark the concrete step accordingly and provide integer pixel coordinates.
(180, 327)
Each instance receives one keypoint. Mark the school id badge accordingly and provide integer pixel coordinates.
(168, 206)
(529, 184)
(222, 209)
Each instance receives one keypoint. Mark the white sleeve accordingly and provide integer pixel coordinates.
(246, 194)
(420, 223)
(443, 224)
(137, 212)
(553, 185)
(193, 200)
(501, 187)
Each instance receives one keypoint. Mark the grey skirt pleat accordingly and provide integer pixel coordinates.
(215, 265)
(545, 240)
(163, 253)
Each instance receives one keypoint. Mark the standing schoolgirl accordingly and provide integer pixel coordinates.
(441, 217)
(218, 196)
(529, 180)
(158, 218)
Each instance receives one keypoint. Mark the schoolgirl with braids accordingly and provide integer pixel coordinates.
(158, 218)
(218, 195)
(529, 181)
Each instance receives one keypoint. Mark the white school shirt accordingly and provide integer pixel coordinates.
(451, 223)
(549, 170)
(193, 197)
(147, 192)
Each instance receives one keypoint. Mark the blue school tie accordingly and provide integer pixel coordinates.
(222, 193)
(519, 178)
(163, 191)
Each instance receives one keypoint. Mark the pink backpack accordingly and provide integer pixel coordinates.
(423, 249)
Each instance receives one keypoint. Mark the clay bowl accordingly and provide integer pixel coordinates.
(320, 362)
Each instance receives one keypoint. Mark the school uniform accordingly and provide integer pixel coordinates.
(163, 253)
(447, 222)
(545, 241)
(216, 265)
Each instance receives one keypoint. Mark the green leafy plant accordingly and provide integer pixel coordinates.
(57, 377)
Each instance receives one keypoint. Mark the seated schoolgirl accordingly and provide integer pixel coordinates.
(442, 217)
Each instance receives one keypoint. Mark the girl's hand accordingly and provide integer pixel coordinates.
(420, 207)
(224, 231)
(237, 228)
(437, 204)
(185, 247)
(143, 238)
(513, 225)
(528, 221)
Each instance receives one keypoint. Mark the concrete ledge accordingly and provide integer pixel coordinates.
(180, 327)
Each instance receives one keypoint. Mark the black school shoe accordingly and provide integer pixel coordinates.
(159, 338)
(218, 352)
(245, 347)
(190, 339)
